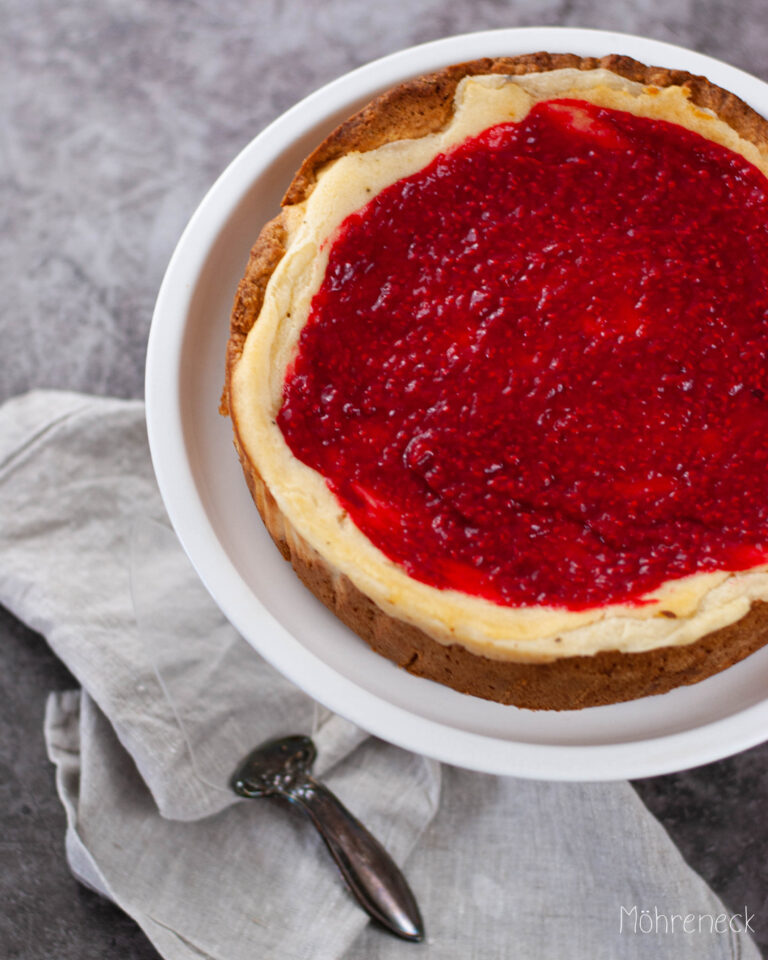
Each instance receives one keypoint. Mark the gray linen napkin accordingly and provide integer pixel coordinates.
(172, 698)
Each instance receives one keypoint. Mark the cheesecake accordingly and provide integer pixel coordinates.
(496, 378)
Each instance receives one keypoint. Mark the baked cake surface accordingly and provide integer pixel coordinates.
(544, 655)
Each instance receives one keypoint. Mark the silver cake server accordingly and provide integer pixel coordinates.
(282, 768)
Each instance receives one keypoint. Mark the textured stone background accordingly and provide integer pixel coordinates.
(115, 116)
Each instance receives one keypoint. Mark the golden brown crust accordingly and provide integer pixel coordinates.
(414, 109)
(265, 256)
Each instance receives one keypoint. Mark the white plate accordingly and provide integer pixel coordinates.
(211, 510)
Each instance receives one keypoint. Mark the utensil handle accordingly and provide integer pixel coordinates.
(371, 874)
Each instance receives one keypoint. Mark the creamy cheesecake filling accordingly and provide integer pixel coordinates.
(678, 612)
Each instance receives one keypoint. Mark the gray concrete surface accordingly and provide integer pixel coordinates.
(115, 116)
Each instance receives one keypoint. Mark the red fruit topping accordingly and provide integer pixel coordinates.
(536, 370)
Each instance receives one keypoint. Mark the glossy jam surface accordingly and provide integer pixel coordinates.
(537, 370)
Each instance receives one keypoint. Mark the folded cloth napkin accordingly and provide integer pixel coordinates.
(172, 698)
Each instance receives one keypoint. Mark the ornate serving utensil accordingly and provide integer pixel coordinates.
(282, 768)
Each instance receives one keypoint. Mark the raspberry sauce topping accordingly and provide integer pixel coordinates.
(536, 370)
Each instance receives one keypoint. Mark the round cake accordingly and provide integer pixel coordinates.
(496, 378)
